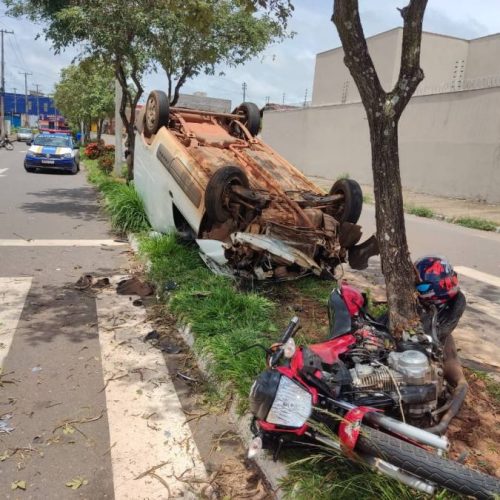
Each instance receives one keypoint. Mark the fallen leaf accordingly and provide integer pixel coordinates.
(68, 429)
(76, 482)
(21, 485)
(4, 456)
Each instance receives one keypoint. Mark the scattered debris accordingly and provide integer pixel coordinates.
(138, 303)
(152, 469)
(87, 281)
(170, 285)
(168, 347)
(134, 286)
(36, 369)
(152, 335)
(5, 427)
(76, 482)
(18, 485)
(186, 377)
(70, 423)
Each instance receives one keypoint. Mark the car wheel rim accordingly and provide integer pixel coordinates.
(151, 112)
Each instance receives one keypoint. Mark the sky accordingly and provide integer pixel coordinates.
(283, 72)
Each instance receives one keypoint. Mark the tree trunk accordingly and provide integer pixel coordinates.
(383, 110)
(397, 266)
(100, 121)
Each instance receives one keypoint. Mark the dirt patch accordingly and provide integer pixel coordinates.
(230, 474)
(475, 432)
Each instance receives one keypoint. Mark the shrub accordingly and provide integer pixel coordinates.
(106, 163)
(92, 150)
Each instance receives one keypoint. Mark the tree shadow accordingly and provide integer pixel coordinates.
(78, 203)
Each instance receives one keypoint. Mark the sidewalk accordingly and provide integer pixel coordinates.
(447, 208)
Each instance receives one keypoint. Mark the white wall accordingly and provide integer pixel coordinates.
(449, 143)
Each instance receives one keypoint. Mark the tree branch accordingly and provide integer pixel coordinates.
(180, 82)
(357, 58)
(410, 72)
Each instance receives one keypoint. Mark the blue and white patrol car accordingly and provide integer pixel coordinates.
(52, 152)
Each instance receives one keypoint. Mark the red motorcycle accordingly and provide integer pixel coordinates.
(373, 392)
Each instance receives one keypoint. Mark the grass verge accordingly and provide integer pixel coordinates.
(419, 211)
(476, 223)
(224, 320)
(122, 201)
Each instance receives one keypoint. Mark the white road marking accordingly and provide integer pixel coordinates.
(490, 279)
(60, 243)
(482, 305)
(13, 292)
(2, 171)
(146, 423)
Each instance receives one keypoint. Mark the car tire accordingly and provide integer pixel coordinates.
(156, 114)
(74, 169)
(349, 210)
(252, 119)
(217, 191)
(29, 170)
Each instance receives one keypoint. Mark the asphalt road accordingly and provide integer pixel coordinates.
(54, 363)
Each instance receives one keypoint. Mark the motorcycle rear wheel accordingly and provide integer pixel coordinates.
(427, 466)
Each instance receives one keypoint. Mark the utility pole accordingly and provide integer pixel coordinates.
(305, 99)
(26, 120)
(118, 129)
(244, 87)
(268, 98)
(15, 100)
(284, 98)
(37, 102)
(2, 89)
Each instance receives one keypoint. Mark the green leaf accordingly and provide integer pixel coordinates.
(76, 482)
(18, 485)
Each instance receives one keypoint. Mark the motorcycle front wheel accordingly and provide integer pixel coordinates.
(427, 466)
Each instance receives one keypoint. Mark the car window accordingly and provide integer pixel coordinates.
(25, 131)
(52, 140)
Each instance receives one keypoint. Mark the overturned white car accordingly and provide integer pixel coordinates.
(251, 212)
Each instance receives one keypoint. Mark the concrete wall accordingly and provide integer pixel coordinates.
(483, 57)
(449, 143)
(331, 74)
(443, 60)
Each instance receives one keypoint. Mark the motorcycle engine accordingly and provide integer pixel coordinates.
(405, 379)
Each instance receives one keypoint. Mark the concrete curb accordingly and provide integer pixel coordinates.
(271, 470)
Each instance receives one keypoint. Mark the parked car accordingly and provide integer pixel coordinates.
(24, 135)
(251, 212)
(53, 152)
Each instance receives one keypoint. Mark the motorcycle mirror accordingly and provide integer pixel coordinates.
(289, 348)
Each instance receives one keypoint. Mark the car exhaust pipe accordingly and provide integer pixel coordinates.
(381, 466)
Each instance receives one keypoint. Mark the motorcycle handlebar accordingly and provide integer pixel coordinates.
(287, 334)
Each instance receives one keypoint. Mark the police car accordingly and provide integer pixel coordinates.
(53, 152)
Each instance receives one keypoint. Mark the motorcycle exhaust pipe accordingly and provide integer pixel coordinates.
(393, 425)
(383, 467)
(409, 431)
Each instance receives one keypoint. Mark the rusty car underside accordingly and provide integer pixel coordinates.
(273, 222)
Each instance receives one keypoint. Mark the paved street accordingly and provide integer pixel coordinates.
(61, 409)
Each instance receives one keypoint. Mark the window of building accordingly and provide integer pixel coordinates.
(45, 107)
(30, 105)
